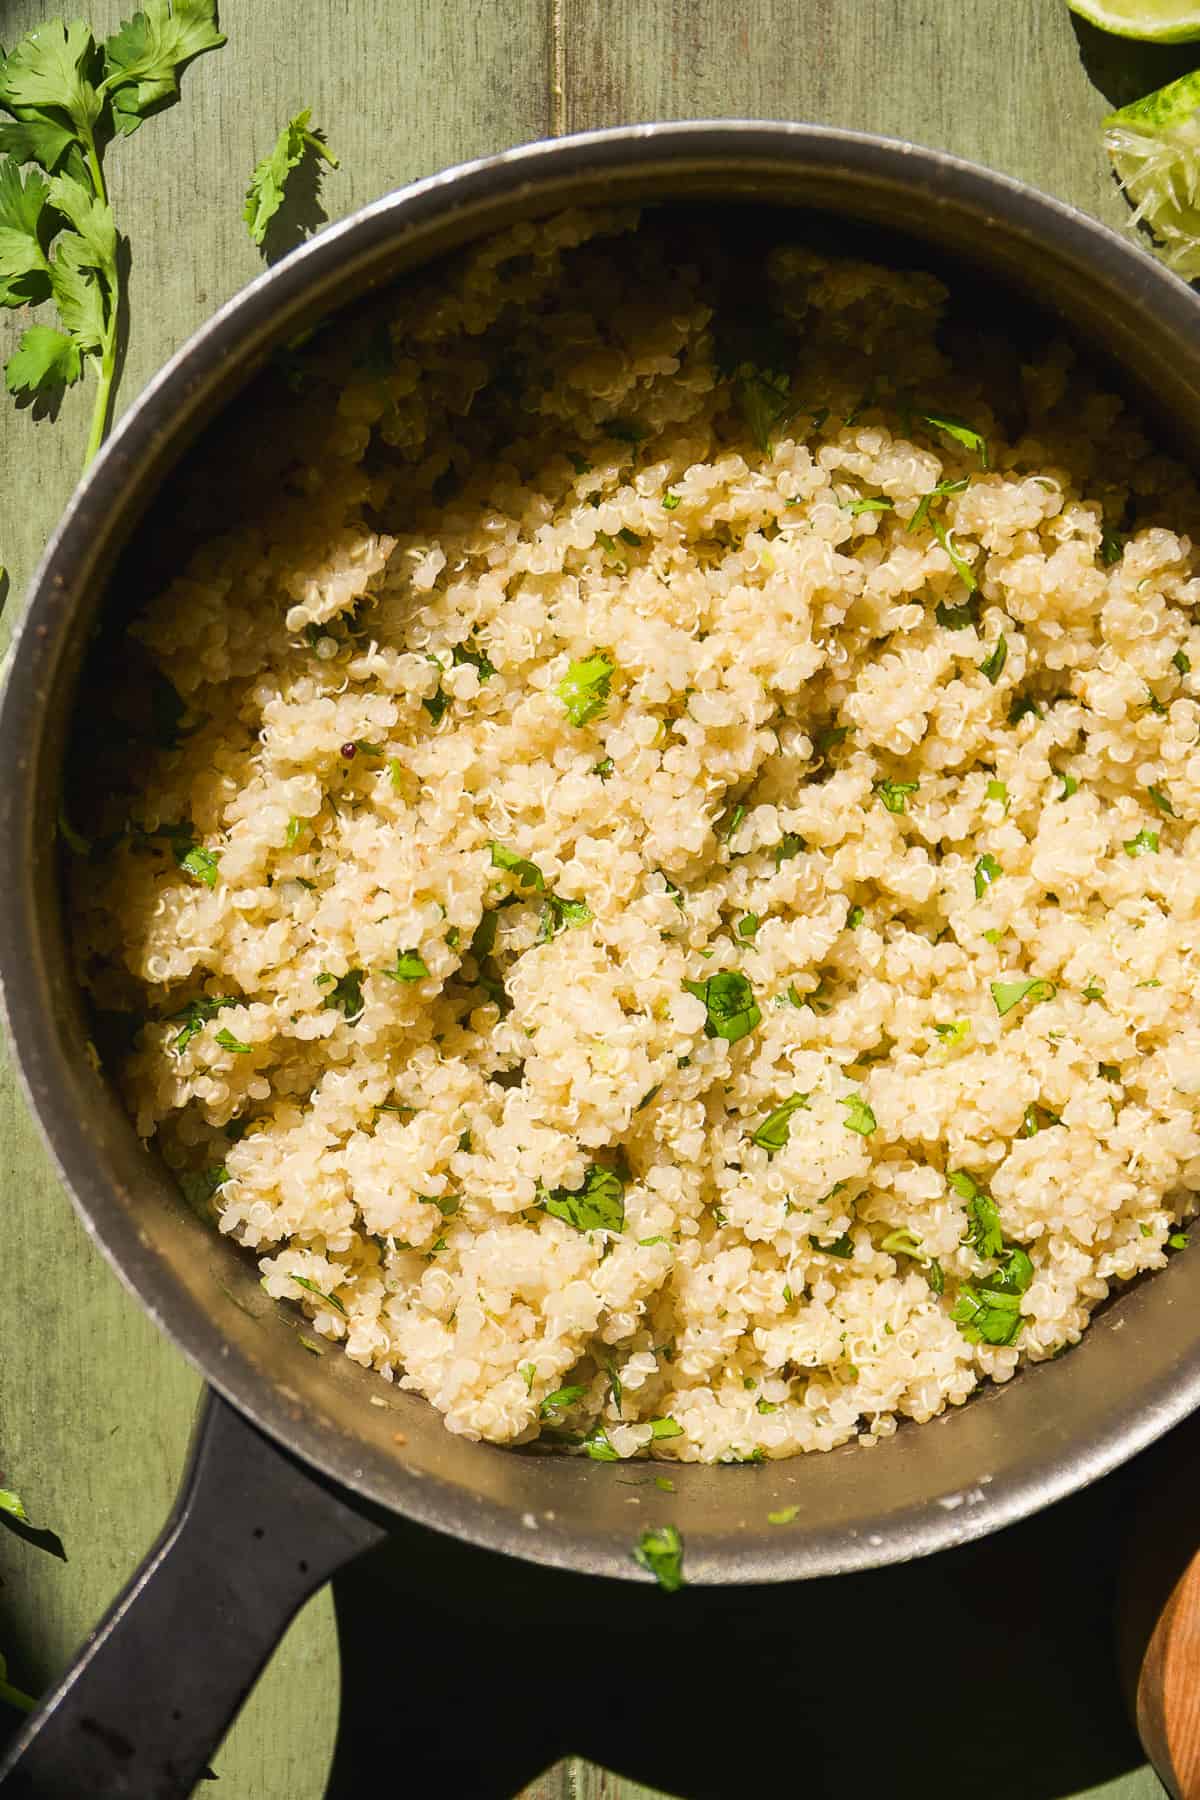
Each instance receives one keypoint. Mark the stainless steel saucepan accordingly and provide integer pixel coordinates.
(293, 1469)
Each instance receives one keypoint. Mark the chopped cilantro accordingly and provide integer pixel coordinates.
(962, 568)
(557, 913)
(926, 501)
(560, 1400)
(954, 1032)
(859, 1116)
(195, 860)
(789, 845)
(629, 537)
(436, 705)
(580, 464)
(195, 1015)
(996, 790)
(747, 926)
(864, 506)
(987, 870)
(1094, 990)
(671, 501)
(530, 1375)
(294, 827)
(902, 1243)
(1182, 662)
(477, 659)
(983, 1219)
(199, 1185)
(993, 665)
(1021, 707)
(894, 794)
(1178, 1240)
(727, 825)
(584, 689)
(985, 1317)
(597, 1446)
(1008, 994)
(410, 966)
(1110, 1071)
(10, 1503)
(527, 873)
(935, 1277)
(603, 769)
(772, 1134)
(842, 1247)
(729, 998)
(854, 918)
(311, 1286)
(1069, 785)
(664, 1428)
(599, 1205)
(1111, 548)
(345, 993)
(227, 1041)
(784, 1516)
(1163, 802)
(764, 1407)
(960, 431)
(1144, 844)
(660, 1553)
(764, 396)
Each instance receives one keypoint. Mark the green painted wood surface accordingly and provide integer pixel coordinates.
(95, 1407)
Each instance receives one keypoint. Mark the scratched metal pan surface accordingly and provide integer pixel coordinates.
(1008, 1452)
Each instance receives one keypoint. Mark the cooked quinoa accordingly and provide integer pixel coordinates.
(668, 918)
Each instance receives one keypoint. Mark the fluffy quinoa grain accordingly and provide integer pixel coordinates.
(618, 939)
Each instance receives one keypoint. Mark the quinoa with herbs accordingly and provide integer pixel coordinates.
(667, 920)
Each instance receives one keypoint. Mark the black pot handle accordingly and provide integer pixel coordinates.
(157, 1684)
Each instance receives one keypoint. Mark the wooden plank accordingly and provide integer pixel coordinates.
(95, 1406)
(1006, 85)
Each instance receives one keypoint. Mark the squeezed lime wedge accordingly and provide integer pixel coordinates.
(1155, 21)
(1155, 149)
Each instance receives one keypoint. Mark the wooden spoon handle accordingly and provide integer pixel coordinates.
(1167, 1697)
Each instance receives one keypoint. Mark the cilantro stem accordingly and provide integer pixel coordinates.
(104, 378)
(108, 350)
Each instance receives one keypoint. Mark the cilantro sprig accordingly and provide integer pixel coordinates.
(67, 98)
(264, 196)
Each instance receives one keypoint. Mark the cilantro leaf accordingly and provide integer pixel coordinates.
(195, 1015)
(24, 269)
(312, 1288)
(660, 1553)
(227, 1041)
(986, 1317)
(664, 1428)
(992, 665)
(859, 1116)
(842, 1248)
(732, 1010)
(960, 431)
(599, 1205)
(527, 873)
(265, 194)
(1008, 994)
(1144, 844)
(961, 566)
(144, 59)
(557, 913)
(763, 395)
(987, 870)
(49, 69)
(996, 790)
(784, 1516)
(1162, 800)
(772, 1134)
(983, 1216)
(44, 358)
(199, 1185)
(584, 689)
(410, 966)
(926, 501)
(195, 860)
(11, 1503)
(478, 659)
(894, 794)
(560, 1399)
(345, 992)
